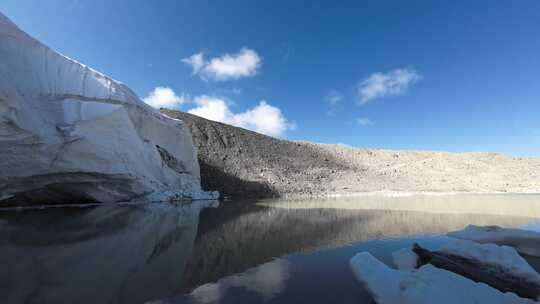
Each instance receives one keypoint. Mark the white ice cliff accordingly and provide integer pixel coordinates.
(69, 133)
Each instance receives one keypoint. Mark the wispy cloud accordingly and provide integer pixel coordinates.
(196, 61)
(392, 83)
(332, 99)
(364, 121)
(263, 118)
(287, 51)
(164, 97)
(245, 63)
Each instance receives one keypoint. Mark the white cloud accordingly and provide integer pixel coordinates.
(392, 83)
(263, 118)
(196, 61)
(164, 97)
(364, 121)
(212, 108)
(242, 64)
(332, 99)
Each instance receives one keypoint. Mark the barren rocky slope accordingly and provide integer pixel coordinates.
(238, 162)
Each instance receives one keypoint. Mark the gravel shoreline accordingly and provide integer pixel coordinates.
(242, 163)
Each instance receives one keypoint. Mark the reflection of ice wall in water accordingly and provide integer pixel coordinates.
(255, 234)
(108, 254)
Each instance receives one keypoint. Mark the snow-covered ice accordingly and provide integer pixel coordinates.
(503, 257)
(524, 241)
(405, 259)
(68, 132)
(427, 284)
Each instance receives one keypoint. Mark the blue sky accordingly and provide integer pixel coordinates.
(439, 75)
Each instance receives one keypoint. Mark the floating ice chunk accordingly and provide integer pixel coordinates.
(382, 282)
(503, 256)
(524, 241)
(427, 284)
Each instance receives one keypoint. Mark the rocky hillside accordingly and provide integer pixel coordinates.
(239, 162)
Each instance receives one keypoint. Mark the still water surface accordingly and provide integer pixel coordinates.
(270, 251)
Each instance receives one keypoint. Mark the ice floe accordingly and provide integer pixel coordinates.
(524, 241)
(427, 284)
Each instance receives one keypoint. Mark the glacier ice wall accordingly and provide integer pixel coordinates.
(69, 133)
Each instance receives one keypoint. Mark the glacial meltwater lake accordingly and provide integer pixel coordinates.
(267, 251)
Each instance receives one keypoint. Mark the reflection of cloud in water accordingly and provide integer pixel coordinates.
(533, 226)
(267, 280)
